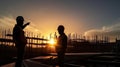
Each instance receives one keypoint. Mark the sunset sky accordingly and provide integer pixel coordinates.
(86, 17)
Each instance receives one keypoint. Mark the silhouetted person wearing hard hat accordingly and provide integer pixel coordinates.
(19, 39)
(61, 45)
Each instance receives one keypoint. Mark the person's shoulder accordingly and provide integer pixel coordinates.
(16, 27)
(65, 35)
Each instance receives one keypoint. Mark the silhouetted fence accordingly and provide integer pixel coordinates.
(35, 39)
(74, 41)
(36, 44)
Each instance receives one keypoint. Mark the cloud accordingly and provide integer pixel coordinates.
(8, 22)
(33, 29)
(112, 31)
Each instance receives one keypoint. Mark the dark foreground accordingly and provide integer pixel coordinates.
(84, 60)
(76, 60)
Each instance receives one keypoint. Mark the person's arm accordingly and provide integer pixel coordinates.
(25, 25)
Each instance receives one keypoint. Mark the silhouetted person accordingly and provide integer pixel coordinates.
(19, 39)
(61, 45)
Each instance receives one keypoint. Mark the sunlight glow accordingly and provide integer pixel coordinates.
(52, 42)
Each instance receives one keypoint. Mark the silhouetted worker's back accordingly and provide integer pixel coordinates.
(61, 45)
(19, 39)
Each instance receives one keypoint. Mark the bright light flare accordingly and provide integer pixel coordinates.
(52, 42)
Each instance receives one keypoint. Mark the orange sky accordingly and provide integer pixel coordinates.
(78, 16)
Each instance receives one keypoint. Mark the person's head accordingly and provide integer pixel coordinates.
(60, 29)
(20, 20)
